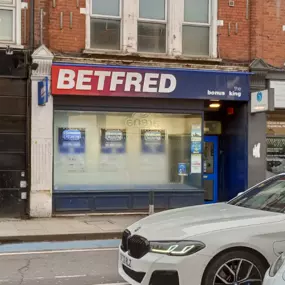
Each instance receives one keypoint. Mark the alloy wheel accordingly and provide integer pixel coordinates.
(238, 272)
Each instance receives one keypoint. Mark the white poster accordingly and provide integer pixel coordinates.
(196, 161)
(196, 132)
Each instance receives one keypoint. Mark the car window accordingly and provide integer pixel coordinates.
(267, 196)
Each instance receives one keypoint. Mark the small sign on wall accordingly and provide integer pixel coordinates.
(259, 101)
(43, 92)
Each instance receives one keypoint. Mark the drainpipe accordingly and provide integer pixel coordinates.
(32, 26)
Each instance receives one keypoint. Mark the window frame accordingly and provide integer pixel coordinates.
(154, 21)
(5, 5)
(90, 16)
(174, 21)
(212, 25)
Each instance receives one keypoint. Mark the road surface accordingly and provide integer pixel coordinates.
(59, 266)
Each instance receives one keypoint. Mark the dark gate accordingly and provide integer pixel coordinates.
(14, 135)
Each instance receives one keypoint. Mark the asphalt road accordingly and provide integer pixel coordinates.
(60, 267)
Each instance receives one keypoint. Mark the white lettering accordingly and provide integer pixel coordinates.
(163, 80)
(133, 79)
(216, 93)
(234, 93)
(81, 79)
(101, 78)
(116, 80)
(150, 79)
(66, 79)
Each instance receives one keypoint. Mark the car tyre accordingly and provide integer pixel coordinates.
(232, 262)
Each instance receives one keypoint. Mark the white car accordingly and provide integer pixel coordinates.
(275, 275)
(225, 243)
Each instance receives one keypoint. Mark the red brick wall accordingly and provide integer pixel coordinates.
(233, 36)
(67, 39)
(259, 37)
(239, 39)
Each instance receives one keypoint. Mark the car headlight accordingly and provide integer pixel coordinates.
(276, 265)
(176, 248)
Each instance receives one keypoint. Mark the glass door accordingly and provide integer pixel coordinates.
(210, 174)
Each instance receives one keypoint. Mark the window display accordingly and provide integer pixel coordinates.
(127, 151)
(275, 153)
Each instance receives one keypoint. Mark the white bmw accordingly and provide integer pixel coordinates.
(219, 244)
(276, 273)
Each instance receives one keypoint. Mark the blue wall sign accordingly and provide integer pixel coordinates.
(43, 92)
(259, 96)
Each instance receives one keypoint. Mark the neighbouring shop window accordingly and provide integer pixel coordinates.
(105, 24)
(120, 151)
(275, 153)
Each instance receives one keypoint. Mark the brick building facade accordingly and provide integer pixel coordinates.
(222, 36)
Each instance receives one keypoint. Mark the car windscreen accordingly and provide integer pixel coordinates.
(267, 196)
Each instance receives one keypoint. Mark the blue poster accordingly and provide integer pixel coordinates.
(71, 141)
(196, 147)
(113, 141)
(153, 141)
(182, 169)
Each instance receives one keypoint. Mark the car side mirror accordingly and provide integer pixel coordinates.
(240, 193)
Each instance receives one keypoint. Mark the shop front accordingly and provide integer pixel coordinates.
(275, 131)
(122, 132)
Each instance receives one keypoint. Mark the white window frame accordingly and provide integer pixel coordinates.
(155, 21)
(15, 7)
(89, 16)
(212, 24)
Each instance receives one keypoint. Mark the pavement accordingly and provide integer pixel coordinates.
(65, 228)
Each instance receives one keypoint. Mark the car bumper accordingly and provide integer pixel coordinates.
(156, 268)
(276, 280)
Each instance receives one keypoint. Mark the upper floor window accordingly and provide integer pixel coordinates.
(152, 26)
(105, 24)
(7, 21)
(196, 28)
(174, 27)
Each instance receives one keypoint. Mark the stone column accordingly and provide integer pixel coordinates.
(41, 139)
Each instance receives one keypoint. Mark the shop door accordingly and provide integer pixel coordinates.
(211, 169)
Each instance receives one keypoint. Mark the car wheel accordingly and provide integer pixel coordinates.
(235, 268)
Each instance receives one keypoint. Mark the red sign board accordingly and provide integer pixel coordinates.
(102, 81)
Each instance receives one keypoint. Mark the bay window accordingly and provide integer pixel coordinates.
(105, 24)
(152, 26)
(196, 27)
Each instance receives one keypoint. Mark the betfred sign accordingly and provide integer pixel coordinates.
(92, 80)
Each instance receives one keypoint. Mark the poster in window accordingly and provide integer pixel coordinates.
(196, 163)
(113, 141)
(71, 145)
(196, 147)
(275, 154)
(153, 141)
(196, 132)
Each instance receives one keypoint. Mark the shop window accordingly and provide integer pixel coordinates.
(105, 24)
(196, 28)
(152, 26)
(10, 15)
(275, 152)
(127, 151)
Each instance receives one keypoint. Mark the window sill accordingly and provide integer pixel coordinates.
(12, 46)
(152, 55)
